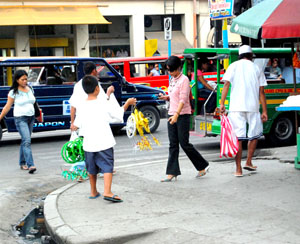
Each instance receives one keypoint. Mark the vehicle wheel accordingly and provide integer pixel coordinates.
(282, 132)
(153, 117)
(0, 132)
(116, 129)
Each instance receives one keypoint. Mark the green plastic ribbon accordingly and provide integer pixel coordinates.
(76, 174)
(72, 151)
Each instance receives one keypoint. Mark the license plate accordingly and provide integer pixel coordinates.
(202, 126)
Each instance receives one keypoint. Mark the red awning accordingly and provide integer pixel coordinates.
(284, 22)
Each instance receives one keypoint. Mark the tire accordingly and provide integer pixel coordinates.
(116, 129)
(152, 115)
(0, 132)
(282, 132)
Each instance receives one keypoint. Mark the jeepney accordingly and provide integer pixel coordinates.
(280, 128)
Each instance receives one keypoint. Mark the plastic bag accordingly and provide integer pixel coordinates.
(74, 136)
(229, 144)
(296, 58)
(114, 105)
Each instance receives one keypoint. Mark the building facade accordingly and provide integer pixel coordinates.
(100, 28)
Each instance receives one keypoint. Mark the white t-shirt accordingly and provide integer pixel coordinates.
(246, 79)
(79, 94)
(23, 103)
(93, 118)
(155, 72)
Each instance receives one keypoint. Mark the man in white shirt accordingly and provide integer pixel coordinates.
(79, 95)
(247, 90)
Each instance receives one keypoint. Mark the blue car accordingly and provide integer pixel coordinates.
(53, 79)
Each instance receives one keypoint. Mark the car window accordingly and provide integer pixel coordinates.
(68, 74)
(142, 69)
(119, 68)
(275, 73)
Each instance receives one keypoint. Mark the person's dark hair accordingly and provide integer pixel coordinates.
(18, 74)
(202, 61)
(89, 83)
(173, 63)
(248, 56)
(88, 67)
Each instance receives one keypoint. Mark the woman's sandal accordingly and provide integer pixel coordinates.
(169, 179)
(32, 170)
(24, 167)
(202, 172)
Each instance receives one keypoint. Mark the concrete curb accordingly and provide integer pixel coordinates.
(269, 154)
(56, 226)
(62, 233)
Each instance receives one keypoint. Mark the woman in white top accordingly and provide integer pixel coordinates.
(21, 95)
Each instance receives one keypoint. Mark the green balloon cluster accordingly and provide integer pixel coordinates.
(72, 151)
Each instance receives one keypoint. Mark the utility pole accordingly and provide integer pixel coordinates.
(195, 26)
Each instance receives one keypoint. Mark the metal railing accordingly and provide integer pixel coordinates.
(204, 109)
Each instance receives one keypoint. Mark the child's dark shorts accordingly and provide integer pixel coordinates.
(102, 161)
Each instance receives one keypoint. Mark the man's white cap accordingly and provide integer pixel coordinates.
(245, 49)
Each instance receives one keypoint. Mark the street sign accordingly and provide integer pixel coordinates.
(168, 28)
(220, 9)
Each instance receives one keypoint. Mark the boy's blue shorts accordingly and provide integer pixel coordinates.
(102, 161)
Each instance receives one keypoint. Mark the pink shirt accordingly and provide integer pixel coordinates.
(199, 73)
(179, 91)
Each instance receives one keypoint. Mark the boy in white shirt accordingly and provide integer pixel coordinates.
(93, 118)
(89, 68)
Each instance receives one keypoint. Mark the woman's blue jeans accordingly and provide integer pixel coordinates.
(24, 125)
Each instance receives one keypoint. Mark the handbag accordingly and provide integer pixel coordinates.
(229, 144)
(37, 111)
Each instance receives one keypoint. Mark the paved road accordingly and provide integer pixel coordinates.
(20, 192)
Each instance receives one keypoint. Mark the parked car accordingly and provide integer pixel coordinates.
(53, 79)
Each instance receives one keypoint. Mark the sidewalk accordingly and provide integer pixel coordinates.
(261, 207)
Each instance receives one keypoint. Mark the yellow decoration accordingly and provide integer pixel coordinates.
(142, 124)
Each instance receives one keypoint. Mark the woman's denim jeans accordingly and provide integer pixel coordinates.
(24, 125)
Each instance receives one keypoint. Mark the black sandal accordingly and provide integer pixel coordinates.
(113, 198)
(31, 170)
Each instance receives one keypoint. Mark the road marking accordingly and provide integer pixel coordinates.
(139, 164)
(158, 161)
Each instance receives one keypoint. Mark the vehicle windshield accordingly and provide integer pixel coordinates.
(33, 74)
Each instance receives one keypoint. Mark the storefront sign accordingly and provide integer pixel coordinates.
(220, 9)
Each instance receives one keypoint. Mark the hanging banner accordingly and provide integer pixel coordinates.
(220, 9)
